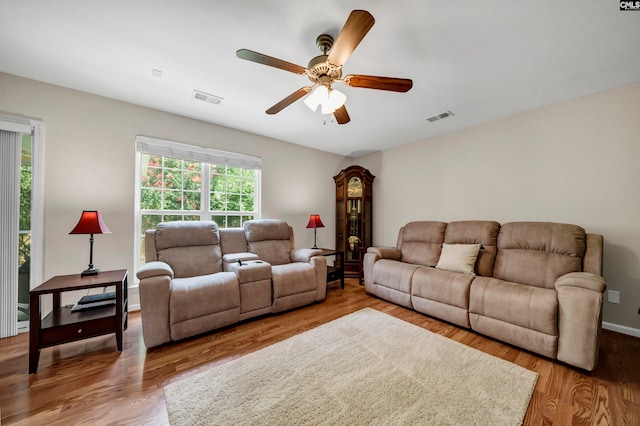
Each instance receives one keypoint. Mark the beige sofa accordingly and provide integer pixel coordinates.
(536, 285)
(199, 278)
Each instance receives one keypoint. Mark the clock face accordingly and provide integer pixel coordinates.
(354, 188)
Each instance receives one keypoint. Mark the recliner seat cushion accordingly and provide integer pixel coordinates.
(393, 274)
(441, 286)
(293, 278)
(526, 306)
(203, 295)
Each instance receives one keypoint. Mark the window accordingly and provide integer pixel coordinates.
(21, 230)
(183, 182)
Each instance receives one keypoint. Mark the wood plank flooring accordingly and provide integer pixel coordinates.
(88, 382)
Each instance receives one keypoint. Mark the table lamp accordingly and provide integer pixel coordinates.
(315, 222)
(90, 223)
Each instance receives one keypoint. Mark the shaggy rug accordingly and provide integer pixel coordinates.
(364, 368)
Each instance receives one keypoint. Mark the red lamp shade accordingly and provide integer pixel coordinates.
(90, 223)
(315, 222)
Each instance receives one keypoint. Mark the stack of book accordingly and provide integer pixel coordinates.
(94, 301)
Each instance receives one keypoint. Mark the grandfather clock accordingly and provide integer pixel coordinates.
(353, 216)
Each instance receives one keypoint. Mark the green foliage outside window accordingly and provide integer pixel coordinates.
(171, 189)
(24, 244)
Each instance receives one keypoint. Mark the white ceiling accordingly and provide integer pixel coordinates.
(482, 60)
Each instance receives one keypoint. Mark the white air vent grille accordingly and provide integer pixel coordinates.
(206, 97)
(440, 116)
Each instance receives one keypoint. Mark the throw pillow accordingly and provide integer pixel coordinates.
(459, 258)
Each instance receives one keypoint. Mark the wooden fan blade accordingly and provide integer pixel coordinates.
(341, 115)
(252, 56)
(380, 83)
(288, 100)
(357, 26)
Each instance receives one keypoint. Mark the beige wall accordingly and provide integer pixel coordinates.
(575, 162)
(572, 162)
(89, 164)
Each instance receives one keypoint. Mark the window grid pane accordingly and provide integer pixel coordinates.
(173, 189)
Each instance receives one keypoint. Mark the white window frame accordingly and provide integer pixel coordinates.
(207, 156)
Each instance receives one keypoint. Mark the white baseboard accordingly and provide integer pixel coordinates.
(621, 329)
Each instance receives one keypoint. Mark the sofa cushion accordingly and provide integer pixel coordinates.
(232, 240)
(394, 275)
(459, 258)
(190, 248)
(203, 295)
(526, 306)
(421, 242)
(266, 229)
(442, 286)
(483, 232)
(186, 233)
(270, 239)
(537, 253)
(292, 279)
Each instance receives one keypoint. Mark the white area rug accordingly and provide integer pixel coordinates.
(363, 368)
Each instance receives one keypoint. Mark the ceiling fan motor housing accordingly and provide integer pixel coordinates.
(319, 69)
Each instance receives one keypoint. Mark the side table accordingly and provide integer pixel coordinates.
(63, 326)
(335, 273)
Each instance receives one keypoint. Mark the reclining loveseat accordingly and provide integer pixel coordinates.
(199, 278)
(536, 285)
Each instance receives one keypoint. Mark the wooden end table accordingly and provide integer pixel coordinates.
(63, 326)
(335, 273)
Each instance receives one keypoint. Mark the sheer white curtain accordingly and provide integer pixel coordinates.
(10, 148)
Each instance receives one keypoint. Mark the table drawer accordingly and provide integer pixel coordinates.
(81, 330)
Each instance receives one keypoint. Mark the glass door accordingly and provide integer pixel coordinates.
(24, 232)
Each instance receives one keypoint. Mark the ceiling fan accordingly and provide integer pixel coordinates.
(326, 69)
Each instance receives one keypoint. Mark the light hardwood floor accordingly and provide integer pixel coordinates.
(89, 382)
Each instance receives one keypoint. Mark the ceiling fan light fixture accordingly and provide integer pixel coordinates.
(336, 100)
(317, 97)
(328, 99)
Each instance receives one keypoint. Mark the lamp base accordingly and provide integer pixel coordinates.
(89, 272)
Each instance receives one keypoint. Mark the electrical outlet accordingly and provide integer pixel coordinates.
(613, 296)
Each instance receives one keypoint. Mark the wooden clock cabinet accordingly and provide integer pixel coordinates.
(354, 203)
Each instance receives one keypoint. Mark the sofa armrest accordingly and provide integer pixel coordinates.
(584, 280)
(304, 255)
(580, 296)
(154, 269)
(319, 264)
(233, 258)
(386, 252)
(372, 255)
(592, 261)
(155, 290)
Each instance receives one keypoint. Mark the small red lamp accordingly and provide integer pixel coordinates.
(315, 222)
(90, 222)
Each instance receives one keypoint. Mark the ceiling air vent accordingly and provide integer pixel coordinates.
(440, 116)
(201, 96)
